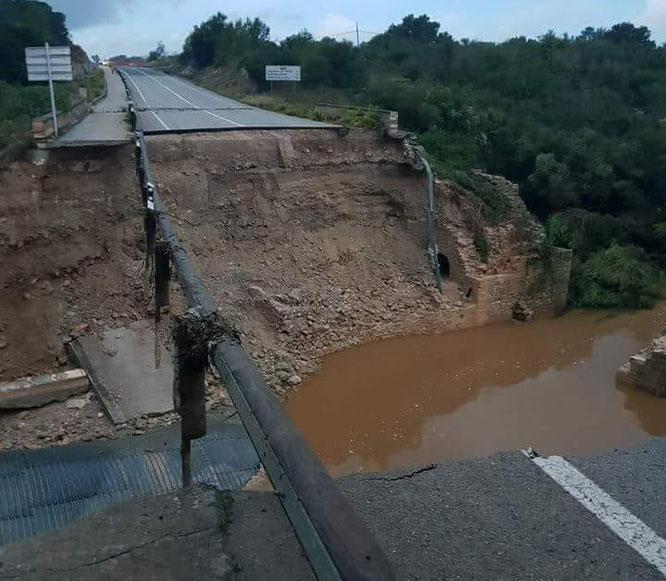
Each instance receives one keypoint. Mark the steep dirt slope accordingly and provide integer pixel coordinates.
(311, 241)
(70, 246)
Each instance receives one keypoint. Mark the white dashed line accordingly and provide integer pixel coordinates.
(188, 102)
(618, 519)
(139, 90)
(162, 122)
(146, 103)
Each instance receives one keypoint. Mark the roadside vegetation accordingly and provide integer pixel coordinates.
(579, 122)
(29, 23)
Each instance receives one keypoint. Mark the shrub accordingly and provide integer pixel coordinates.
(618, 277)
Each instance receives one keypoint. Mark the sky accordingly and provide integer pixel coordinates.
(134, 27)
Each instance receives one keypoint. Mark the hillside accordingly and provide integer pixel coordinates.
(576, 121)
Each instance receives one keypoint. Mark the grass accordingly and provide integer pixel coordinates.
(95, 84)
(19, 104)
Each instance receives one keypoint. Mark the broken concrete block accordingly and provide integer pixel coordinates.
(30, 392)
(647, 369)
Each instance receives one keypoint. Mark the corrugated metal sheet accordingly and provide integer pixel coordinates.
(46, 489)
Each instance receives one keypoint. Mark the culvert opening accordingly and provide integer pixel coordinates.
(444, 265)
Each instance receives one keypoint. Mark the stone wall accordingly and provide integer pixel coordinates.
(647, 369)
(517, 268)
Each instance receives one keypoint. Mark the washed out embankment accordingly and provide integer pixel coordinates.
(312, 242)
(72, 250)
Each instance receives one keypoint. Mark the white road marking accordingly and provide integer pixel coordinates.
(162, 122)
(189, 102)
(139, 90)
(146, 103)
(618, 519)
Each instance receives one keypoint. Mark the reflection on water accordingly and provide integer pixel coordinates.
(415, 400)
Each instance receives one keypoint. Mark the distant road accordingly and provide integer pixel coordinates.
(170, 104)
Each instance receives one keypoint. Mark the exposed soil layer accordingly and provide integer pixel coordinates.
(72, 251)
(70, 245)
(312, 242)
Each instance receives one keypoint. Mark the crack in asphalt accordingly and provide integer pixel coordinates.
(107, 558)
(404, 476)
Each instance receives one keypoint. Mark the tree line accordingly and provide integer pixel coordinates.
(578, 121)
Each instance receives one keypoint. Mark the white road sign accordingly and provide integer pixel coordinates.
(283, 73)
(59, 59)
(49, 63)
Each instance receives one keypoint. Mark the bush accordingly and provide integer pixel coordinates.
(494, 203)
(481, 245)
(618, 277)
(584, 232)
(450, 151)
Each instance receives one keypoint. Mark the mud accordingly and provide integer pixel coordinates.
(416, 400)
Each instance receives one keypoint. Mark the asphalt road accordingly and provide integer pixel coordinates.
(497, 518)
(506, 518)
(107, 124)
(170, 104)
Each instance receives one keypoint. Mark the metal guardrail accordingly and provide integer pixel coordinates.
(337, 542)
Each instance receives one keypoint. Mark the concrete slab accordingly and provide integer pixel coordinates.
(29, 392)
(108, 124)
(198, 534)
(121, 367)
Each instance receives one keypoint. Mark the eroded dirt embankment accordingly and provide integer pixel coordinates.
(70, 246)
(312, 242)
(71, 239)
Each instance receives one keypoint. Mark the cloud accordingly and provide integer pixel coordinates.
(84, 13)
(654, 17)
(334, 25)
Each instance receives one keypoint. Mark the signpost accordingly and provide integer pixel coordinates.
(49, 63)
(283, 73)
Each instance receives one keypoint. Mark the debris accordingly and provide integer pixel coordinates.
(31, 392)
(79, 330)
(77, 403)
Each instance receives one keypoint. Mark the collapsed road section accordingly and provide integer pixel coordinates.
(336, 540)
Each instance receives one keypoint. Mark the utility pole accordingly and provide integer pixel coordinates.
(358, 43)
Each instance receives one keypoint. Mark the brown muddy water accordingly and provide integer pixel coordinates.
(549, 384)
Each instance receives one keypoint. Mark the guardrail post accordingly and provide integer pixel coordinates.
(189, 387)
(162, 276)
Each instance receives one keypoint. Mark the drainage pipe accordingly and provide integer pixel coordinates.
(430, 213)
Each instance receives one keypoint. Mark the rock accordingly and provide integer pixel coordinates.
(647, 370)
(79, 330)
(76, 403)
(521, 312)
(3, 342)
(294, 380)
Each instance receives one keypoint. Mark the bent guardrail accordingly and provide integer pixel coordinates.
(337, 542)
